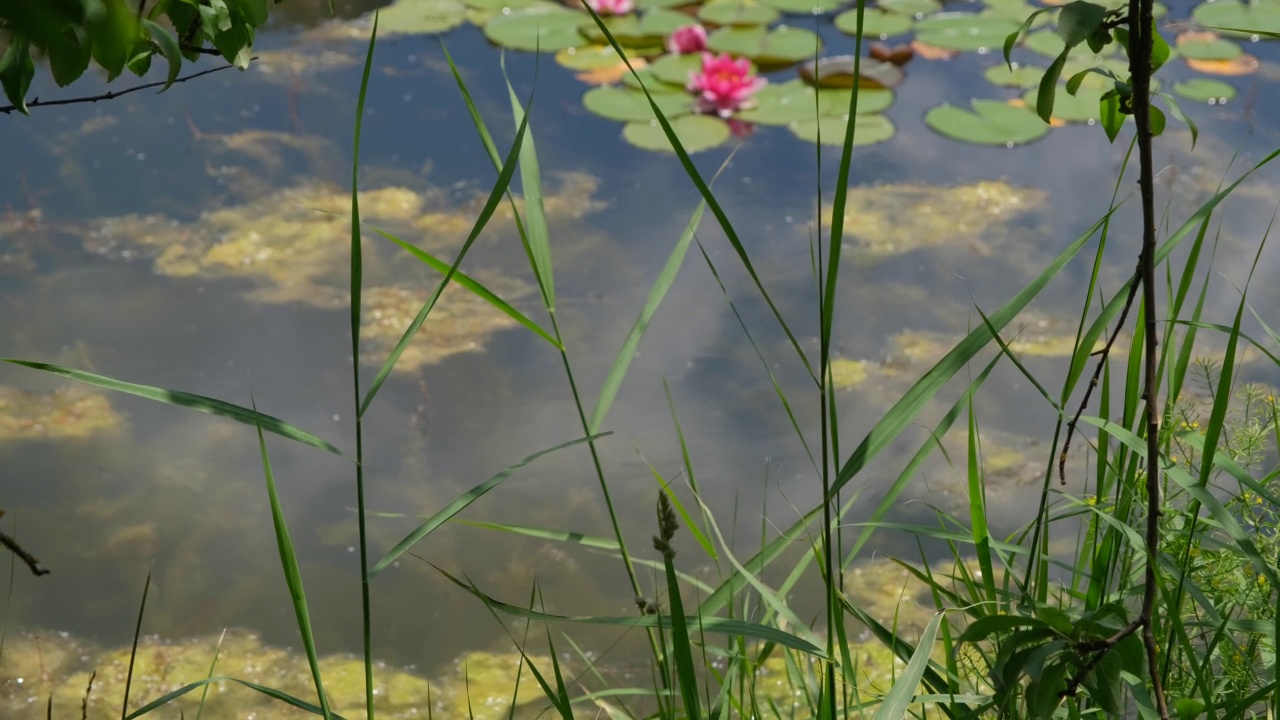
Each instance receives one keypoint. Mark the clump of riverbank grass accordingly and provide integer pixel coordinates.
(1015, 626)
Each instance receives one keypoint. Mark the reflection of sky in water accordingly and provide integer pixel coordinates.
(187, 490)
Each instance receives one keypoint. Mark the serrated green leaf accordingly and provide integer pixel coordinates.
(1078, 20)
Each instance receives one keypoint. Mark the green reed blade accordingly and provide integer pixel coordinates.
(473, 285)
(902, 695)
(187, 400)
(461, 502)
(292, 576)
(657, 293)
(495, 197)
(270, 692)
(715, 624)
(538, 236)
(133, 649)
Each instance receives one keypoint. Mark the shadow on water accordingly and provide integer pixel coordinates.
(153, 304)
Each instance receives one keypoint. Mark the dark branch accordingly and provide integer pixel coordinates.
(112, 94)
(26, 557)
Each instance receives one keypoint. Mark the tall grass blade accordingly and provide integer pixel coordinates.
(491, 204)
(681, 649)
(461, 502)
(538, 236)
(896, 704)
(355, 297)
(213, 665)
(657, 293)
(714, 624)
(268, 691)
(473, 285)
(293, 577)
(133, 650)
(187, 400)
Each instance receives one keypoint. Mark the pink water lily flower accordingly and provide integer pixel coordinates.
(612, 7)
(688, 39)
(725, 85)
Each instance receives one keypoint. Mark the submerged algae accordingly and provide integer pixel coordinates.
(68, 412)
(35, 668)
(892, 219)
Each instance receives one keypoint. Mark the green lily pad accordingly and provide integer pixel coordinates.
(868, 129)
(628, 105)
(1236, 18)
(915, 8)
(696, 132)
(839, 72)
(675, 69)
(1218, 49)
(421, 17)
(1081, 107)
(804, 7)
(1017, 10)
(508, 5)
(1214, 92)
(537, 28)
(793, 101)
(651, 81)
(989, 122)
(591, 57)
(781, 46)
(736, 12)
(1021, 76)
(875, 23)
(651, 4)
(649, 28)
(965, 31)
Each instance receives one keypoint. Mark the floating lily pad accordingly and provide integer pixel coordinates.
(736, 12)
(696, 132)
(498, 6)
(781, 46)
(1235, 18)
(965, 31)
(421, 17)
(650, 4)
(675, 69)
(537, 28)
(839, 72)
(1018, 11)
(1215, 49)
(793, 101)
(1021, 76)
(649, 28)
(1081, 107)
(989, 122)
(875, 23)
(804, 7)
(591, 57)
(1214, 92)
(628, 105)
(868, 129)
(914, 8)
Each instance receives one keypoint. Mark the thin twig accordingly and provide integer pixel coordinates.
(26, 557)
(112, 94)
(1097, 373)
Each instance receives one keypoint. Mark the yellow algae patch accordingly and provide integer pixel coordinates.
(891, 219)
(846, 373)
(70, 412)
(37, 667)
(460, 322)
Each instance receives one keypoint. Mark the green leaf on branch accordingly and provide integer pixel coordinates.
(168, 45)
(16, 71)
(1078, 21)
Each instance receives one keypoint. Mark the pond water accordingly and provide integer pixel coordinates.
(116, 260)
